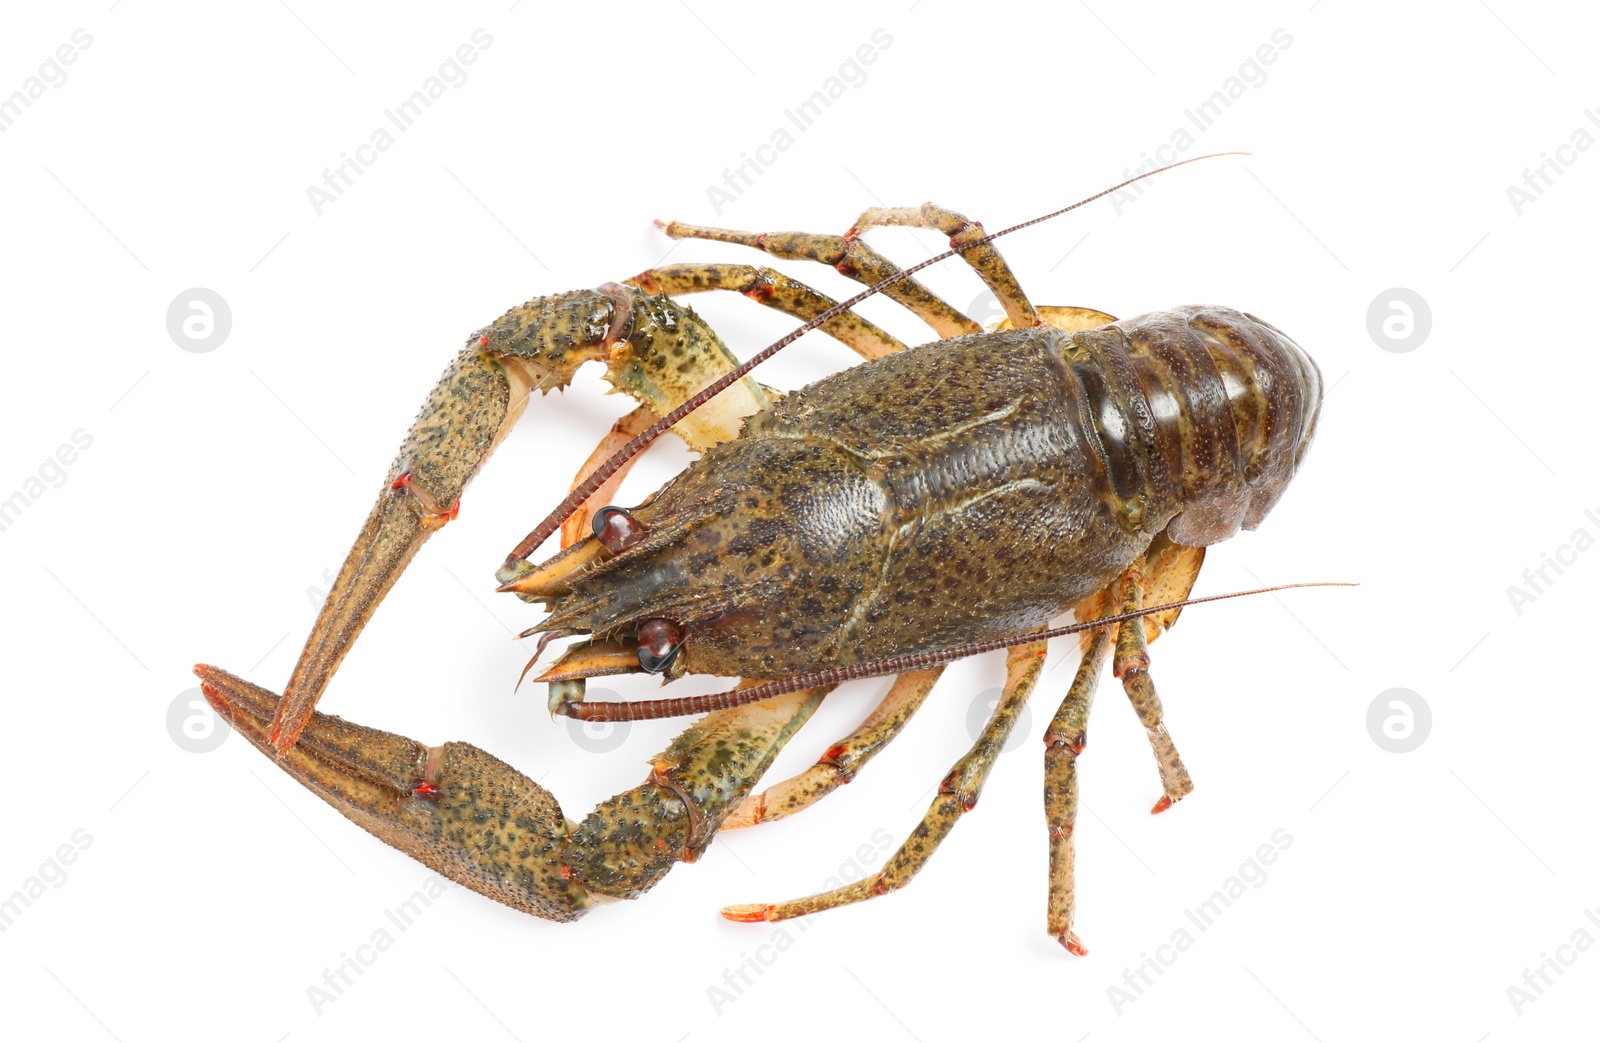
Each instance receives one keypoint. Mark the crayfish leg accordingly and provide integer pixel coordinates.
(984, 258)
(958, 794)
(1166, 569)
(844, 759)
(849, 257)
(775, 290)
(1067, 737)
(1165, 572)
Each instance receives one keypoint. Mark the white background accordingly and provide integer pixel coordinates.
(219, 487)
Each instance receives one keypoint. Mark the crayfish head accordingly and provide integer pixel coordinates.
(745, 565)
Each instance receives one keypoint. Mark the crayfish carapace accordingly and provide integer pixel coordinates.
(931, 502)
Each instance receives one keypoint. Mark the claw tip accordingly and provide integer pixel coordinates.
(207, 689)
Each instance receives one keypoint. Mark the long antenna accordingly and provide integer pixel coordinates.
(596, 478)
(652, 709)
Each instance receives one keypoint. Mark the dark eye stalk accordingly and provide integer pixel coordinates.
(659, 641)
(616, 529)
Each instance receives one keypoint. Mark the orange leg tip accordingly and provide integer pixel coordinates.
(1073, 944)
(284, 734)
(753, 913)
(1161, 805)
(659, 223)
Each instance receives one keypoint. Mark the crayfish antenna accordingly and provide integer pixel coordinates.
(652, 709)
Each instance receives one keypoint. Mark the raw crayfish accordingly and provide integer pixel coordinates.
(929, 503)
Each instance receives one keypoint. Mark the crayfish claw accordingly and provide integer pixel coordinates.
(454, 808)
(476, 401)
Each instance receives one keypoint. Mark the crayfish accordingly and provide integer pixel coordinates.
(929, 503)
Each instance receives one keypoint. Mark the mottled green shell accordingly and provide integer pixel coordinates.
(969, 488)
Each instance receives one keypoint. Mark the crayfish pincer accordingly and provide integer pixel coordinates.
(930, 503)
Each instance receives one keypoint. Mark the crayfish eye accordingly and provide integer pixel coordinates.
(659, 640)
(616, 529)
